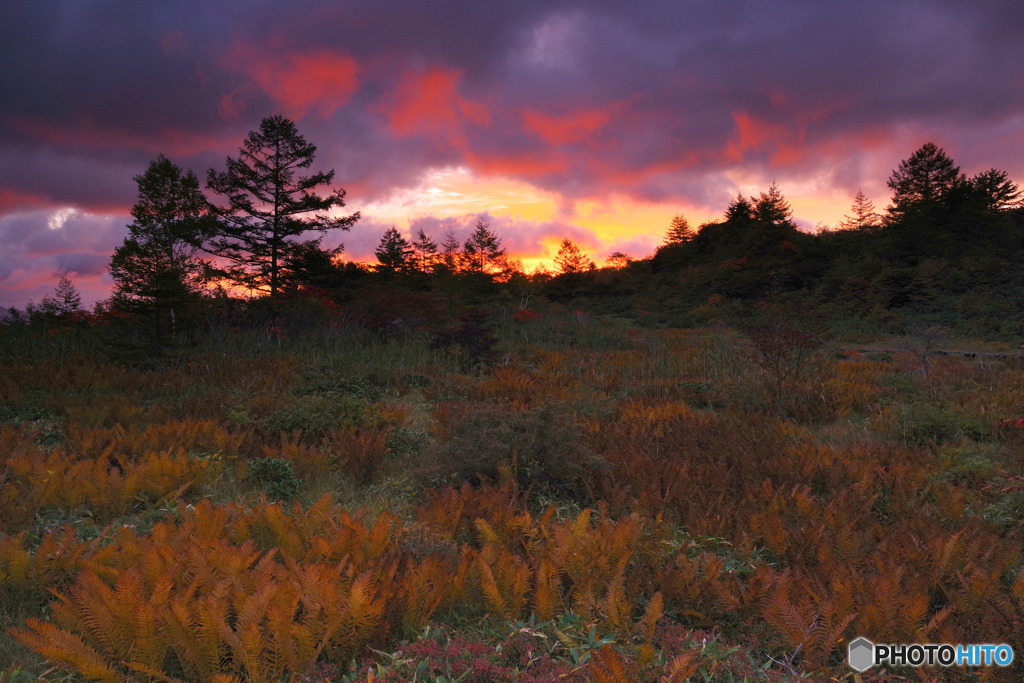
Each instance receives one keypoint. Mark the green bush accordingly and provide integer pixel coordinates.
(967, 464)
(275, 477)
(923, 423)
(402, 442)
(323, 384)
(315, 414)
(1006, 510)
(542, 449)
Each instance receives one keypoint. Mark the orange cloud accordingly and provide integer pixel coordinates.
(752, 135)
(788, 145)
(784, 103)
(527, 165)
(566, 128)
(321, 80)
(428, 103)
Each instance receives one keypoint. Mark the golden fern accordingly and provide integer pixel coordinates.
(1017, 590)
(520, 586)
(827, 635)
(547, 599)
(15, 560)
(652, 613)
(794, 621)
(364, 607)
(151, 672)
(424, 586)
(581, 525)
(682, 666)
(67, 648)
(608, 666)
(486, 532)
(490, 588)
(202, 637)
(616, 607)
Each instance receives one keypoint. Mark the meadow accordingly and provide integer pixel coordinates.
(571, 498)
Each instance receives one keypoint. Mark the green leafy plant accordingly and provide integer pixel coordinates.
(275, 477)
(315, 414)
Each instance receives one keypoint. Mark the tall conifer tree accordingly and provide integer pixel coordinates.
(269, 206)
(679, 230)
(156, 270)
(424, 252)
(570, 260)
(863, 213)
(482, 251)
(394, 253)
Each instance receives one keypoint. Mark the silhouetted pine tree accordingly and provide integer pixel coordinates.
(269, 206)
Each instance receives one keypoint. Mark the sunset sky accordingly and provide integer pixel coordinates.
(592, 120)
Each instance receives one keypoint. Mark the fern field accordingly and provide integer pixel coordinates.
(591, 502)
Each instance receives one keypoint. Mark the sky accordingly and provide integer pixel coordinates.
(596, 120)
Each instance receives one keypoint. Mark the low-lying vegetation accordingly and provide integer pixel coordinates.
(587, 502)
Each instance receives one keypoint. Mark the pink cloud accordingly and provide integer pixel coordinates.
(428, 102)
(560, 129)
(89, 135)
(753, 135)
(13, 199)
(320, 80)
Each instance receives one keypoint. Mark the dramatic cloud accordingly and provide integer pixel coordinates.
(40, 245)
(660, 105)
(321, 80)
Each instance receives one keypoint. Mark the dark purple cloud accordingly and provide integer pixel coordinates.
(658, 101)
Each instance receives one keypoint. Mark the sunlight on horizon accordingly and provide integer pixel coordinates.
(598, 226)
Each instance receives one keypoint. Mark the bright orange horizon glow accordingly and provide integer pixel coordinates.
(598, 226)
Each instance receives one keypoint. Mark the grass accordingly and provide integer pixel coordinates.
(767, 522)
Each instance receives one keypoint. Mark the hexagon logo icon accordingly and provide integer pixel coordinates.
(862, 654)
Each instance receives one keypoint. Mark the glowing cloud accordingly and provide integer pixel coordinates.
(320, 80)
(531, 222)
(522, 165)
(566, 128)
(428, 102)
(59, 217)
(752, 135)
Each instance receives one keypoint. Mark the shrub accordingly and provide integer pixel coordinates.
(788, 347)
(540, 449)
(322, 384)
(929, 422)
(414, 380)
(401, 441)
(315, 414)
(966, 464)
(471, 339)
(275, 477)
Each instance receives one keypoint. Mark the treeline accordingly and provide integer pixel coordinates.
(947, 252)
